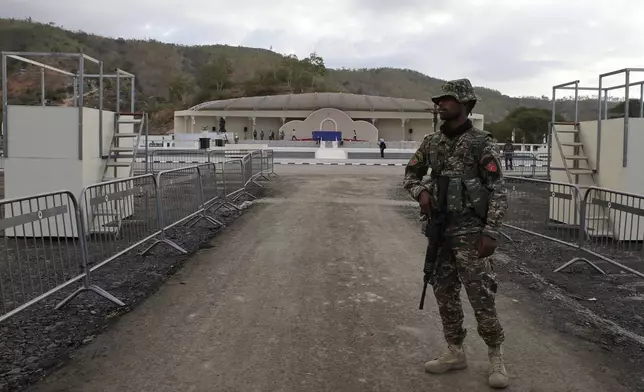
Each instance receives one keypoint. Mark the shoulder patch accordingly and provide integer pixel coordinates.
(413, 160)
(491, 167)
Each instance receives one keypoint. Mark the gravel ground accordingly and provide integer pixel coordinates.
(578, 299)
(40, 339)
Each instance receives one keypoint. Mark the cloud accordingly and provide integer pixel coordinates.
(520, 47)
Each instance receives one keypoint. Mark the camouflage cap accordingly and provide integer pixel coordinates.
(459, 89)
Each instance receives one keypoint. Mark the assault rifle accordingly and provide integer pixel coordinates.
(435, 233)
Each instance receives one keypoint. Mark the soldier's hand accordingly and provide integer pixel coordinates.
(486, 246)
(425, 201)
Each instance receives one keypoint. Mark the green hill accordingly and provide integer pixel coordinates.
(172, 76)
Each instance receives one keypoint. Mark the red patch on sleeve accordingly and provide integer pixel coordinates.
(413, 161)
(491, 167)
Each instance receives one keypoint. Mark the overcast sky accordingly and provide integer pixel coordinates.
(520, 47)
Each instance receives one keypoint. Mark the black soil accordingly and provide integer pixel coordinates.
(41, 339)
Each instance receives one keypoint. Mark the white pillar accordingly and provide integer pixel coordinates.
(403, 121)
(373, 122)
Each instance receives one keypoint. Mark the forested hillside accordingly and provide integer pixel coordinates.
(172, 76)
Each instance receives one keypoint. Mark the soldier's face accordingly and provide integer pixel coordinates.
(449, 109)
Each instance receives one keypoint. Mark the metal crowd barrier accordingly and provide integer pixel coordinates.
(233, 183)
(160, 160)
(257, 163)
(43, 252)
(269, 163)
(51, 241)
(119, 215)
(207, 193)
(227, 154)
(527, 164)
(212, 184)
(602, 223)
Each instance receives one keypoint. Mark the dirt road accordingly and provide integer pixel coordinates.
(316, 289)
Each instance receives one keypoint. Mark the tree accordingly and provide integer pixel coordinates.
(264, 82)
(300, 75)
(180, 88)
(313, 70)
(501, 130)
(618, 110)
(316, 63)
(288, 71)
(215, 75)
(530, 125)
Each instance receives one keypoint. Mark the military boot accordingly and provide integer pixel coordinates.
(452, 359)
(498, 377)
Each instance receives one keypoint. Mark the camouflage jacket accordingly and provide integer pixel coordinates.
(471, 160)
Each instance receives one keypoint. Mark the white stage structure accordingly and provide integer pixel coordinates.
(49, 148)
(602, 153)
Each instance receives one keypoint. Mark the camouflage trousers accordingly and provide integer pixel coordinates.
(457, 262)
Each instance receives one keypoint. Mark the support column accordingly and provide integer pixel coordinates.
(373, 122)
(75, 92)
(5, 122)
(42, 86)
(642, 100)
(118, 91)
(403, 122)
(133, 94)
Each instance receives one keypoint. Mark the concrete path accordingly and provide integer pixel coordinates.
(314, 289)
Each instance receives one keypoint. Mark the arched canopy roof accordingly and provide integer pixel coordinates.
(314, 101)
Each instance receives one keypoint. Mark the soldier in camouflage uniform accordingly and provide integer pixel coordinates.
(476, 203)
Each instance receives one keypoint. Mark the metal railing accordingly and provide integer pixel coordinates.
(527, 164)
(119, 215)
(602, 223)
(524, 164)
(41, 250)
(160, 160)
(51, 241)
